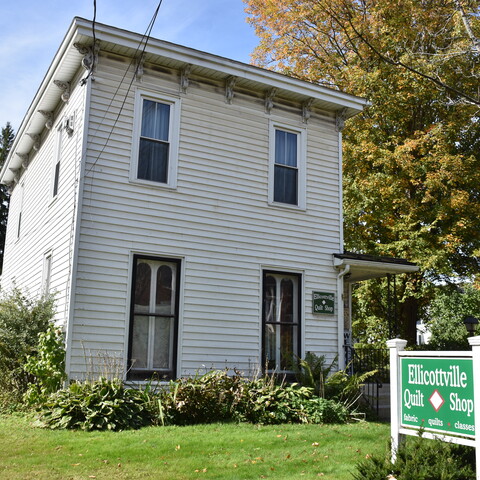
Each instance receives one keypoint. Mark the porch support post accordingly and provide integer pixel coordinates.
(475, 344)
(396, 345)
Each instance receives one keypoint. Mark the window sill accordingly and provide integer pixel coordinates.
(53, 201)
(287, 206)
(152, 184)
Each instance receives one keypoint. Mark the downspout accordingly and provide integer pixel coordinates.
(340, 118)
(340, 316)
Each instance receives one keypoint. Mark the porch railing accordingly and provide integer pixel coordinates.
(367, 359)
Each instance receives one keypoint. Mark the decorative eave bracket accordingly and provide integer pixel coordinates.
(49, 118)
(36, 141)
(139, 68)
(90, 55)
(340, 118)
(229, 86)
(25, 159)
(307, 110)
(269, 100)
(185, 78)
(65, 86)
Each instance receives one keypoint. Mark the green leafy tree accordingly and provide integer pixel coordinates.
(411, 160)
(22, 319)
(447, 312)
(6, 140)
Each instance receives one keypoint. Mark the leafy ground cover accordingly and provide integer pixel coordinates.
(217, 451)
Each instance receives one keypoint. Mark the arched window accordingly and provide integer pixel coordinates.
(154, 319)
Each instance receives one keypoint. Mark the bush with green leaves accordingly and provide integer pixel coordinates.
(339, 386)
(218, 396)
(22, 319)
(47, 366)
(447, 312)
(99, 405)
(421, 459)
(208, 398)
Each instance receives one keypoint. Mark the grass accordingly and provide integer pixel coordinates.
(219, 451)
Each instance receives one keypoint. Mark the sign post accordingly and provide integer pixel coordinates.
(435, 392)
(475, 344)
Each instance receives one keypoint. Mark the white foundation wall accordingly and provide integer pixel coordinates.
(47, 222)
(217, 221)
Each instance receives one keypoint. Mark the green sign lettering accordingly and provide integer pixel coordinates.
(437, 394)
(324, 302)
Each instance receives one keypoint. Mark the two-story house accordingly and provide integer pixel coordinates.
(184, 208)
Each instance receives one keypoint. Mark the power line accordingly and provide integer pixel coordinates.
(144, 40)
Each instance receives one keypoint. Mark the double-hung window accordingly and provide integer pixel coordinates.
(154, 318)
(281, 320)
(287, 166)
(157, 139)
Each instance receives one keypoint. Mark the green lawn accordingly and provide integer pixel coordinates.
(216, 451)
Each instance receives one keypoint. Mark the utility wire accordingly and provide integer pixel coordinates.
(144, 40)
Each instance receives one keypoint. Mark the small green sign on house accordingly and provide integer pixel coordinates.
(324, 303)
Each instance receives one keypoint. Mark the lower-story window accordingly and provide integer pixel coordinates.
(154, 318)
(281, 320)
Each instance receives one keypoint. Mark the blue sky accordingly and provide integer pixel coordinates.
(32, 30)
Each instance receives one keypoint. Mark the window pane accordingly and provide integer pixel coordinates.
(288, 350)
(269, 302)
(164, 303)
(56, 179)
(162, 350)
(142, 288)
(155, 120)
(285, 185)
(153, 161)
(285, 148)
(140, 342)
(286, 301)
(272, 334)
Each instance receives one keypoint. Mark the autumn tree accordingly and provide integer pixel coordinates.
(6, 140)
(411, 160)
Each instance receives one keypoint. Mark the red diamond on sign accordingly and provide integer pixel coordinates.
(436, 400)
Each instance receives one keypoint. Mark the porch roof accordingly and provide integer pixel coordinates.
(364, 267)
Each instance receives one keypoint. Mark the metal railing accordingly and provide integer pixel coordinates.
(367, 359)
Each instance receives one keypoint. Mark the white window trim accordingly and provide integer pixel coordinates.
(47, 272)
(301, 164)
(174, 135)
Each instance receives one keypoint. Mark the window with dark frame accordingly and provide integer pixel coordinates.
(57, 159)
(154, 146)
(285, 188)
(281, 320)
(154, 318)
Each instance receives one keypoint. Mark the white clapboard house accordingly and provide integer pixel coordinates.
(184, 208)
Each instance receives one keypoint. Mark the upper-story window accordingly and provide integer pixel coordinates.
(57, 159)
(156, 148)
(287, 166)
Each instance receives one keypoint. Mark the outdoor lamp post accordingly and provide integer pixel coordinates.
(470, 324)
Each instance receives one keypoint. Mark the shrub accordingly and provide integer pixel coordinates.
(218, 396)
(47, 367)
(421, 459)
(268, 402)
(201, 399)
(21, 321)
(100, 405)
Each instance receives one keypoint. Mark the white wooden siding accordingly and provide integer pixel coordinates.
(217, 221)
(46, 223)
